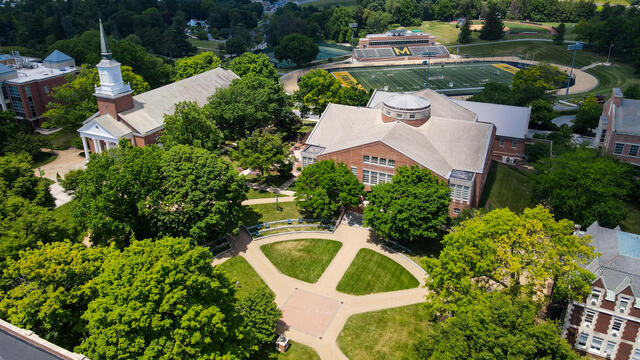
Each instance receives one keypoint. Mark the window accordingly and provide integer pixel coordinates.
(399, 115)
(465, 193)
(460, 192)
(391, 163)
(588, 318)
(618, 149)
(374, 178)
(16, 101)
(603, 135)
(595, 297)
(46, 89)
(582, 340)
(354, 170)
(633, 150)
(365, 158)
(501, 142)
(365, 176)
(514, 144)
(624, 304)
(456, 211)
(616, 326)
(387, 112)
(378, 161)
(412, 116)
(636, 355)
(610, 347)
(374, 160)
(370, 177)
(596, 344)
(382, 162)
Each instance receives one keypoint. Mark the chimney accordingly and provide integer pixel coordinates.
(617, 96)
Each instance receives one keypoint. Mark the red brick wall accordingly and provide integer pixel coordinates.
(627, 139)
(507, 149)
(147, 140)
(624, 351)
(630, 332)
(114, 106)
(606, 304)
(576, 315)
(634, 311)
(602, 323)
(39, 97)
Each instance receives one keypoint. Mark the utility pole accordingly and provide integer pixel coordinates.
(575, 47)
(428, 56)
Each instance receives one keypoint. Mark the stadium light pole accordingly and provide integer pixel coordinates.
(575, 47)
(609, 55)
(428, 56)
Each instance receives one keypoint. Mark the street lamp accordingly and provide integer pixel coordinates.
(609, 56)
(428, 55)
(575, 47)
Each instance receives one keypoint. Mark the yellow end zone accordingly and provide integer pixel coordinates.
(346, 79)
(507, 68)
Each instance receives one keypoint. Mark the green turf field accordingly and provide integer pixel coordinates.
(448, 79)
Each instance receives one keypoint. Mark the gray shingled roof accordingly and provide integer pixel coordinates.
(510, 121)
(627, 117)
(619, 264)
(57, 56)
(451, 139)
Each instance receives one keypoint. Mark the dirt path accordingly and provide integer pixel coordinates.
(324, 291)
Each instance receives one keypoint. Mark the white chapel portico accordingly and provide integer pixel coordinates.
(139, 118)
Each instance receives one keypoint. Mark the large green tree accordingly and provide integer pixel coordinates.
(251, 103)
(588, 116)
(411, 207)
(503, 251)
(163, 300)
(495, 327)
(250, 63)
(194, 65)
(318, 88)
(493, 28)
(191, 125)
(48, 290)
(325, 187)
(16, 137)
(558, 37)
(296, 48)
(17, 179)
(134, 192)
(465, 35)
(264, 151)
(74, 101)
(584, 185)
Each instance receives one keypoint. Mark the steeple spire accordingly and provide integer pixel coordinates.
(104, 44)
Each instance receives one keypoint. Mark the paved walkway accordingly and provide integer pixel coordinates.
(66, 161)
(353, 239)
(269, 200)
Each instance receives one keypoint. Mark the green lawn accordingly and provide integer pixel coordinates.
(448, 79)
(445, 33)
(304, 259)
(239, 269)
(259, 194)
(538, 50)
(371, 272)
(61, 140)
(384, 335)
(206, 44)
(632, 222)
(64, 215)
(44, 158)
(254, 214)
(618, 75)
(506, 187)
(296, 351)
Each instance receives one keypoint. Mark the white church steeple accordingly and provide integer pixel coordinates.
(111, 84)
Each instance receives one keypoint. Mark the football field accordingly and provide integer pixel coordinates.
(450, 79)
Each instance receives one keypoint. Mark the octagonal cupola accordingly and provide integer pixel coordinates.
(410, 109)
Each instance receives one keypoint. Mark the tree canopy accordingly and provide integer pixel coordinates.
(325, 187)
(588, 116)
(296, 48)
(263, 152)
(74, 101)
(493, 28)
(584, 185)
(194, 65)
(131, 192)
(191, 125)
(250, 63)
(17, 179)
(503, 251)
(411, 207)
(252, 103)
(495, 327)
(163, 300)
(16, 137)
(48, 290)
(318, 88)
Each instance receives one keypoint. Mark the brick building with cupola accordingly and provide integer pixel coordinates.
(423, 128)
(606, 324)
(139, 118)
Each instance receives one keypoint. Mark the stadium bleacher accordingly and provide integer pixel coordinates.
(414, 51)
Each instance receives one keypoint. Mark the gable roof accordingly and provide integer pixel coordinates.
(619, 263)
(149, 108)
(510, 121)
(105, 126)
(57, 56)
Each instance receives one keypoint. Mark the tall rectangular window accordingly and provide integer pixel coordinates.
(374, 178)
(610, 347)
(596, 344)
(354, 170)
(374, 160)
(366, 158)
(588, 318)
(501, 142)
(618, 148)
(603, 135)
(633, 150)
(582, 340)
(365, 176)
(616, 326)
(595, 296)
(636, 354)
(391, 163)
(514, 144)
(465, 193)
(382, 161)
(46, 89)
(16, 101)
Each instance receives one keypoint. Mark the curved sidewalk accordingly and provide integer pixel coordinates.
(353, 239)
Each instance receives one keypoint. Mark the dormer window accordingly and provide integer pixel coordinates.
(623, 305)
(595, 297)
